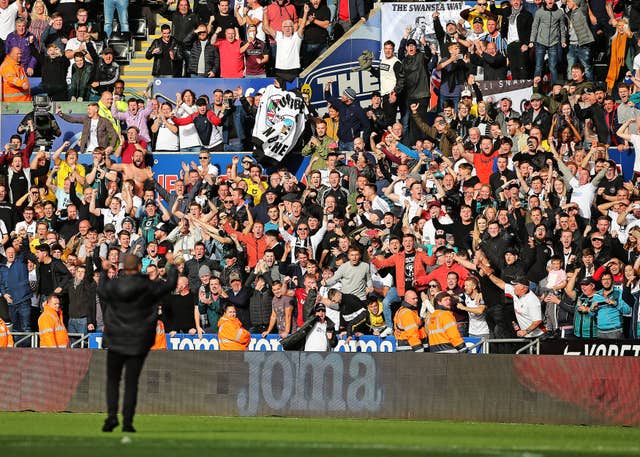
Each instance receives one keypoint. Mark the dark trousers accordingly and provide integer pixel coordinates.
(519, 61)
(133, 365)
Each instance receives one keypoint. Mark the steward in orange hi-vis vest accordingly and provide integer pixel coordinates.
(6, 340)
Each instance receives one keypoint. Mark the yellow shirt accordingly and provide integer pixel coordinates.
(255, 190)
(64, 170)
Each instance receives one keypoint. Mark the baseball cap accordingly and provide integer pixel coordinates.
(150, 202)
(109, 228)
(536, 96)
(129, 219)
(451, 21)
(234, 277)
(411, 42)
(107, 51)
(465, 93)
(162, 226)
(478, 20)
(319, 307)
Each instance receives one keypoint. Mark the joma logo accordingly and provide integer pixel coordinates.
(309, 382)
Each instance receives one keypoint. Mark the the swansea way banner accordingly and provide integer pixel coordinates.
(397, 16)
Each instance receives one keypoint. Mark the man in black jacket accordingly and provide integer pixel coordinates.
(516, 29)
(130, 327)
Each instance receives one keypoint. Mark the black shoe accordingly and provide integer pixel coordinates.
(128, 429)
(109, 424)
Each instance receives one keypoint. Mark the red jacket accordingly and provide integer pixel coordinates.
(255, 248)
(440, 274)
(397, 260)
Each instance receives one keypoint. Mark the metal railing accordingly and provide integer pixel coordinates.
(78, 340)
(533, 347)
(486, 348)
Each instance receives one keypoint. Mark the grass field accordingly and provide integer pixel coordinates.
(37, 434)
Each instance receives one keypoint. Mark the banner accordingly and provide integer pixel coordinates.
(280, 120)
(337, 67)
(592, 347)
(271, 343)
(398, 16)
(518, 90)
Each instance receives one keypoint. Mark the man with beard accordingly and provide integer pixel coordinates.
(137, 171)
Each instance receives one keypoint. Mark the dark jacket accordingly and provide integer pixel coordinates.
(297, 340)
(61, 277)
(54, 72)
(106, 75)
(524, 21)
(181, 26)
(131, 311)
(417, 73)
(542, 120)
(176, 63)
(211, 58)
(82, 298)
(260, 303)
(353, 120)
(81, 79)
(495, 67)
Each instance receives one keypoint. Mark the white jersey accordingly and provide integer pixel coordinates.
(477, 322)
(387, 75)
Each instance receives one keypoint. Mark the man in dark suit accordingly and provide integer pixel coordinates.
(102, 135)
(130, 328)
(516, 29)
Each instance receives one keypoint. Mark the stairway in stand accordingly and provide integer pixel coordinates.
(137, 75)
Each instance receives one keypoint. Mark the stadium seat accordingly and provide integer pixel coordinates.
(121, 51)
(138, 28)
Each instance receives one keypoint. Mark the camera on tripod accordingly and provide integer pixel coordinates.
(44, 124)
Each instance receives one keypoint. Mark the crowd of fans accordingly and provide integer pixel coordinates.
(70, 44)
(429, 221)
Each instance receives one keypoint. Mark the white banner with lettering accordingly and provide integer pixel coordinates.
(418, 16)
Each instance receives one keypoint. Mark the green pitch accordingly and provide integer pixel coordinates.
(36, 434)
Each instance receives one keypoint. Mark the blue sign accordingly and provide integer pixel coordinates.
(209, 342)
(337, 67)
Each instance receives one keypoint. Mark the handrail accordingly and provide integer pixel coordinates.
(535, 342)
(82, 337)
(486, 347)
(472, 347)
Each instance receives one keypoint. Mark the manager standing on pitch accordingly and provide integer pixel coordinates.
(129, 332)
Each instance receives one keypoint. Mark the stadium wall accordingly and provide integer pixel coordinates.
(496, 388)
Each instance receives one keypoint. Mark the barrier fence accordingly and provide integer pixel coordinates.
(496, 388)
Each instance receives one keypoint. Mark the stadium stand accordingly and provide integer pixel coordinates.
(412, 172)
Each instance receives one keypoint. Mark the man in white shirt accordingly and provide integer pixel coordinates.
(322, 336)
(525, 304)
(288, 46)
(8, 15)
(80, 43)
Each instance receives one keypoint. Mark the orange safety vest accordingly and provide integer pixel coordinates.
(161, 338)
(443, 332)
(51, 329)
(13, 77)
(409, 329)
(231, 335)
(6, 340)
